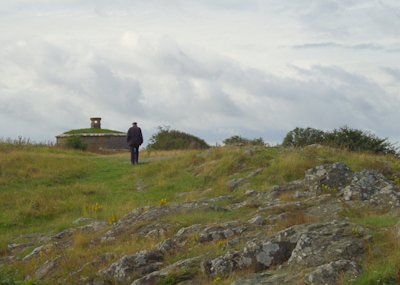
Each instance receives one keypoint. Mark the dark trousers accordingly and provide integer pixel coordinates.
(134, 154)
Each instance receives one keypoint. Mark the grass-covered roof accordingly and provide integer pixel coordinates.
(91, 131)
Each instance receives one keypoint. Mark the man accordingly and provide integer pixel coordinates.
(134, 139)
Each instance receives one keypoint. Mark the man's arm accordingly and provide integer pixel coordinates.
(140, 136)
(128, 136)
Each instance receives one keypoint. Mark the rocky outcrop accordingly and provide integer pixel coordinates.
(327, 177)
(133, 266)
(47, 267)
(178, 272)
(149, 214)
(318, 244)
(330, 273)
(373, 187)
(221, 232)
(234, 183)
(305, 245)
(258, 255)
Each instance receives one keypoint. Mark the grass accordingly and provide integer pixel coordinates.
(44, 189)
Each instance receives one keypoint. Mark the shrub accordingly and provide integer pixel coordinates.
(302, 137)
(76, 142)
(240, 141)
(166, 139)
(344, 137)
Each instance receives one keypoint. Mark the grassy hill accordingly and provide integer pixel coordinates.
(44, 190)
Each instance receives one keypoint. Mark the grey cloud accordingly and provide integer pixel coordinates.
(172, 75)
(344, 19)
(361, 46)
(394, 72)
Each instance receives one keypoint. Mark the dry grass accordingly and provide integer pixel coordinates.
(287, 196)
(294, 218)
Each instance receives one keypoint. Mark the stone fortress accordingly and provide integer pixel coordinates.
(96, 138)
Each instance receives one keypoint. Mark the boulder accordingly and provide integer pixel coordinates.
(366, 184)
(302, 245)
(47, 267)
(178, 272)
(327, 177)
(215, 233)
(133, 266)
(257, 255)
(150, 214)
(330, 273)
(257, 220)
(319, 244)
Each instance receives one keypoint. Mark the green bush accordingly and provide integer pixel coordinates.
(76, 142)
(240, 141)
(302, 137)
(344, 137)
(166, 139)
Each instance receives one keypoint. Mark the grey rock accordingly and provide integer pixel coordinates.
(234, 183)
(186, 266)
(306, 245)
(19, 246)
(318, 244)
(83, 220)
(302, 194)
(35, 253)
(94, 226)
(47, 267)
(258, 220)
(167, 246)
(329, 176)
(154, 230)
(366, 184)
(221, 232)
(250, 192)
(64, 234)
(259, 256)
(324, 207)
(125, 224)
(130, 267)
(184, 232)
(329, 273)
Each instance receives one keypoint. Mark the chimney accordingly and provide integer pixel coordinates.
(95, 123)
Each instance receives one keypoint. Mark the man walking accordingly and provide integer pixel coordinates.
(134, 139)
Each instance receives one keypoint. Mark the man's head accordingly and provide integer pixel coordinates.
(134, 123)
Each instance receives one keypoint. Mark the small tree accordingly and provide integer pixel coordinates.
(302, 137)
(344, 137)
(166, 139)
(357, 140)
(238, 141)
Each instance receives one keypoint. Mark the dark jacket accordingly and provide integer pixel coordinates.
(134, 136)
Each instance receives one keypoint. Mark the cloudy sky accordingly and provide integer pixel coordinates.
(212, 68)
